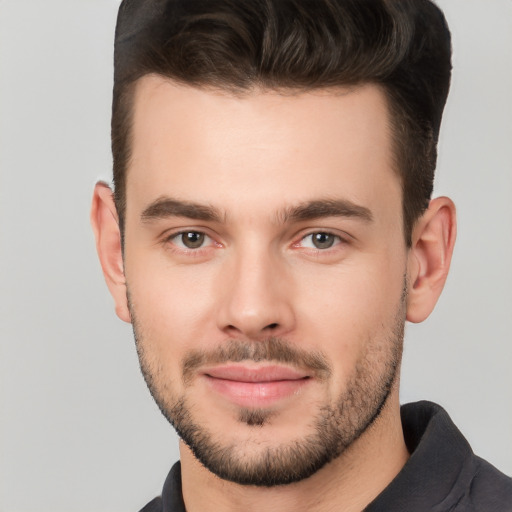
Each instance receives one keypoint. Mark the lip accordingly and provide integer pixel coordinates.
(257, 386)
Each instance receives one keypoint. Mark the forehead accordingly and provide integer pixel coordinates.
(261, 146)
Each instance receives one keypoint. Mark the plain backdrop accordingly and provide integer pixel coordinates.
(78, 429)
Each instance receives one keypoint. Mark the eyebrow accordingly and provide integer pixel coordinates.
(325, 208)
(165, 207)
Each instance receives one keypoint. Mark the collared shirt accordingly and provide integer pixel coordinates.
(441, 475)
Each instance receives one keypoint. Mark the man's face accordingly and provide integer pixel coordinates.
(265, 264)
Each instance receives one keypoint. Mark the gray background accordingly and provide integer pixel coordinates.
(78, 429)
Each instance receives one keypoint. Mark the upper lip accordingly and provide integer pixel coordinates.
(242, 373)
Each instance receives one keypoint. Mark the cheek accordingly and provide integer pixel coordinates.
(348, 309)
(172, 304)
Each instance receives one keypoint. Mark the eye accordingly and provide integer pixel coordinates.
(190, 239)
(320, 240)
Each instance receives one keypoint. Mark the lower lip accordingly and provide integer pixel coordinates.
(256, 394)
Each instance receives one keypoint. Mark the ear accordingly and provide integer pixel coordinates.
(105, 224)
(433, 239)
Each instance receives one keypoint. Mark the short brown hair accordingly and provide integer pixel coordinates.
(401, 45)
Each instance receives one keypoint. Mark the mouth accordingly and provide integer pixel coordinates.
(255, 386)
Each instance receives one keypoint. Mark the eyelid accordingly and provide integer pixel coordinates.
(168, 237)
(343, 238)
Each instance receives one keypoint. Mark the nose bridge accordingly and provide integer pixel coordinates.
(256, 301)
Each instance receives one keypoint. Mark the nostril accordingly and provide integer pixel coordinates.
(272, 326)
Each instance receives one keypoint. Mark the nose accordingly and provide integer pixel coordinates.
(257, 296)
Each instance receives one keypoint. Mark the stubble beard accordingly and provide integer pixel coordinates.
(334, 428)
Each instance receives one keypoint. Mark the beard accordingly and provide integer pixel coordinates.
(334, 427)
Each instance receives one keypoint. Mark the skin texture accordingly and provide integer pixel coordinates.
(291, 210)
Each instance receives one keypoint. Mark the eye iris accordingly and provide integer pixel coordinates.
(192, 239)
(323, 240)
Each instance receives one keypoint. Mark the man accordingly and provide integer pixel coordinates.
(270, 232)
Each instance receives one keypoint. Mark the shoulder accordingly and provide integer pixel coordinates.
(153, 506)
(442, 474)
(489, 489)
(171, 499)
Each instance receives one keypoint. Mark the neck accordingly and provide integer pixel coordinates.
(347, 484)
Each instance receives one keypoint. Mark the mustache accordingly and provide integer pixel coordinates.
(271, 349)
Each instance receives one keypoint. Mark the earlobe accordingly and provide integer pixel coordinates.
(105, 224)
(433, 240)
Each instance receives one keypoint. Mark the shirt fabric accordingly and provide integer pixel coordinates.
(441, 475)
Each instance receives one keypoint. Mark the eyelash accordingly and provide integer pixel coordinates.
(338, 240)
(170, 241)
